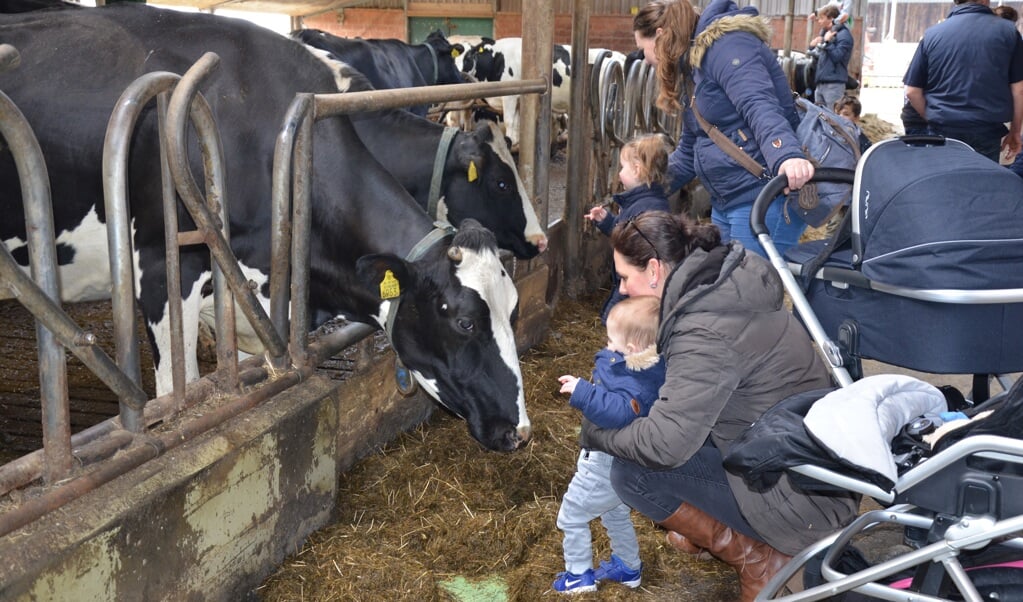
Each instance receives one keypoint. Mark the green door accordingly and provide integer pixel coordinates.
(420, 27)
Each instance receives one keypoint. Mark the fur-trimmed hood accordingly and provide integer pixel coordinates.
(642, 360)
(739, 20)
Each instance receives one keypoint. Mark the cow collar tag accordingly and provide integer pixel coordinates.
(472, 175)
(443, 147)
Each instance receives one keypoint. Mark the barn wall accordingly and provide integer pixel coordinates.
(212, 518)
(361, 23)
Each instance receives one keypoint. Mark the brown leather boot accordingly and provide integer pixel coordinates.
(692, 530)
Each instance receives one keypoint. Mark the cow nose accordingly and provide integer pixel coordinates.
(525, 433)
(540, 242)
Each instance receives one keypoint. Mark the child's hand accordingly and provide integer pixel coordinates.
(597, 214)
(568, 383)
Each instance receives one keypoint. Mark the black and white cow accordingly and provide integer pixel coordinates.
(392, 63)
(478, 178)
(501, 60)
(454, 315)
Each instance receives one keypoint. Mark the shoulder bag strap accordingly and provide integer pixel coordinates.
(727, 145)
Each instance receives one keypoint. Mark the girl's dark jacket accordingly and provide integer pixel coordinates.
(741, 89)
(732, 351)
(631, 203)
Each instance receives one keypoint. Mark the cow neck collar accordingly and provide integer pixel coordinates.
(443, 147)
(440, 231)
(436, 66)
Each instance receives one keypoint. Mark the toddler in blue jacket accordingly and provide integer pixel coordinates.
(627, 376)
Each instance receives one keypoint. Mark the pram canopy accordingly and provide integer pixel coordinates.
(937, 216)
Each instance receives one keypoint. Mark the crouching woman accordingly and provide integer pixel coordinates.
(732, 351)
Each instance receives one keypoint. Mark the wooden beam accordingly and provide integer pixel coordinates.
(449, 9)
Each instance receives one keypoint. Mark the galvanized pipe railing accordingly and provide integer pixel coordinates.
(116, 145)
(208, 223)
(35, 187)
(290, 218)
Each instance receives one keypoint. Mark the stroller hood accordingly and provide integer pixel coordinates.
(937, 217)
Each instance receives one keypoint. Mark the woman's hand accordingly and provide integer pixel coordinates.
(568, 383)
(798, 170)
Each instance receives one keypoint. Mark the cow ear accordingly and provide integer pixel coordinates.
(384, 276)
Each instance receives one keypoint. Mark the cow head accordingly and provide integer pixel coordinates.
(483, 63)
(454, 312)
(445, 51)
(483, 182)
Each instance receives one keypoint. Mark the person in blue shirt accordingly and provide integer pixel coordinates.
(722, 58)
(627, 376)
(834, 48)
(966, 79)
(643, 173)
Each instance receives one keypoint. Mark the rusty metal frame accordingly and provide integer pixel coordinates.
(100, 442)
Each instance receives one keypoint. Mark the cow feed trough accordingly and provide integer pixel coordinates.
(203, 489)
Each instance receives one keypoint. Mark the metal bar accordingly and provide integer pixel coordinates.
(375, 100)
(301, 212)
(172, 260)
(28, 468)
(300, 110)
(578, 150)
(82, 344)
(177, 113)
(135, 456)
(216, 191)
(116, 146)
(35, 187)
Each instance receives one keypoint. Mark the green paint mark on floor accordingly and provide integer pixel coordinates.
(493, 589)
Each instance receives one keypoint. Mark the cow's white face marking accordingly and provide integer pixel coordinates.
(483, 272)
(534, 233)
(87, 277)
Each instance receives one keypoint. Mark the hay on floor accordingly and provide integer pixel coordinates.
(434, 508)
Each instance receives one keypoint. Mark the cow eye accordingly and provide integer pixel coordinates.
(466, 324)
(502, 185)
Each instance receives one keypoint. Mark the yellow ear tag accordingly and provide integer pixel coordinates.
(472, 171)
(389, 287)
(455, 53)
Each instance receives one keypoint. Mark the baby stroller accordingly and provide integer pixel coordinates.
(927, 278)
(925, 272)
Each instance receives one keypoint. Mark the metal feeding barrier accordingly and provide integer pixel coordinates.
(179, 104)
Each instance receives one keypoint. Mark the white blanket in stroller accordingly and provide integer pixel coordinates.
(857, 423)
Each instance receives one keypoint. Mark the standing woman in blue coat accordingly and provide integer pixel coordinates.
(721, 58)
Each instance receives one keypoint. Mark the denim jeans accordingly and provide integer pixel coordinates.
(700, 482)
(827, 94)
(734, 225)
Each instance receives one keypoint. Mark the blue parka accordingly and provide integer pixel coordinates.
(741, 89)
(833, 63)
(624, 387)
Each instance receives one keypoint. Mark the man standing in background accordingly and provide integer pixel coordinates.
(834, 47)
(966, 79)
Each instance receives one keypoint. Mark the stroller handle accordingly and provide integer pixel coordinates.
(778, 183)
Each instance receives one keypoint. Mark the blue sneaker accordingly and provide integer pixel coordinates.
(616, 570)
(570, 583)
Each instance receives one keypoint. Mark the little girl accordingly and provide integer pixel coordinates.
(643, 174)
